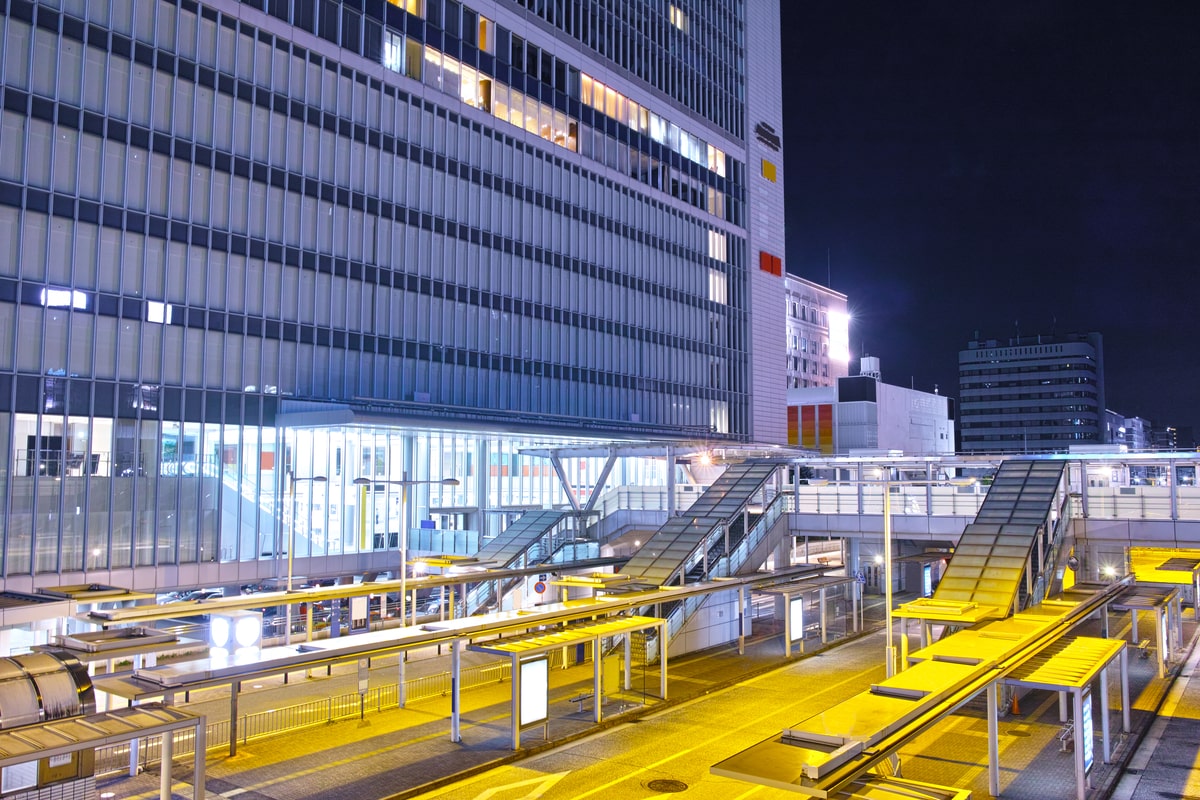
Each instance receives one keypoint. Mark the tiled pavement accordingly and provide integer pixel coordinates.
(406, 752)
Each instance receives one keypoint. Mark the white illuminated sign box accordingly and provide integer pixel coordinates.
(1088, 732)
(535, 691)
(796, 618)
(235, 631)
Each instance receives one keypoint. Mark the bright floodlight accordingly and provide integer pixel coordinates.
(839, 336)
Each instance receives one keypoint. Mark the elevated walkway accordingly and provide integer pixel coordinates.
(661, 560)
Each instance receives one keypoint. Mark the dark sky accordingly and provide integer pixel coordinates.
(1002, 166)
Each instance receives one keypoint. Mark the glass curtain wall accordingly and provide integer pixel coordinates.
(114, 493)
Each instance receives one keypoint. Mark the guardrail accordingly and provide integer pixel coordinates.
(263, 724)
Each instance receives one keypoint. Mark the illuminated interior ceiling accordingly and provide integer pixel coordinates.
(992, 552)
(575, 633)
(1170, 565)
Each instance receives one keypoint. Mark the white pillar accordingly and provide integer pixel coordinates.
(455, 688)
(164, 764)
(993, 729)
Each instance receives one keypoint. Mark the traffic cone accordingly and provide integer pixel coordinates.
(1016, 708)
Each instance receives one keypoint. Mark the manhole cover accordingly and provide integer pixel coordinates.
(666, 785)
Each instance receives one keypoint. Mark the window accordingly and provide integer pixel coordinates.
(678, 18)
(393, 51)
(768, 170)
(158, 312)
(717, 245)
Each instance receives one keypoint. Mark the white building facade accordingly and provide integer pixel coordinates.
(818, 334)
(861, 414)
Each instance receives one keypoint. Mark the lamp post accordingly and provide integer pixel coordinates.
(886, 484)
(292, 481)
(404, 483)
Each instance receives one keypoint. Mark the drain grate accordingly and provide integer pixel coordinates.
(666, 785)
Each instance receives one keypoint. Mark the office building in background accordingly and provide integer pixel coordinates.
(1032, 394)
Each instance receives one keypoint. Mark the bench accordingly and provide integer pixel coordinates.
(1066, 737)
(581, 699)
(1144, 648)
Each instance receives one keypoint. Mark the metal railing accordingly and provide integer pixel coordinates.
(325, 711)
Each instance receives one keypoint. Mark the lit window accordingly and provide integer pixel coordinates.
(158, 312)
(64, 298)
(416, 7)
(716, 245)
(716, 160)
(487, 39)
(393, 51)
(718, 291)
(679, 19)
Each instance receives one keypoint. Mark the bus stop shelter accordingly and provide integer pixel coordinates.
(530, 667)
(797, 596)
(1164, 604)
(66, 737)
(1068, 666)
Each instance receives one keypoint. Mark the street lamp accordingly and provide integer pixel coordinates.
(886, 484)
(293, 480)
(404, 483)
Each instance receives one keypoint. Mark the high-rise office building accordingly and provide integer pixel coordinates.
(251, 252)
(1032, 394)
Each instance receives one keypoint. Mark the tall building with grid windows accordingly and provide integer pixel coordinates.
(250, 252)
(1032, 394)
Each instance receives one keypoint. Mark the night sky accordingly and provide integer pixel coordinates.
(1000, 167)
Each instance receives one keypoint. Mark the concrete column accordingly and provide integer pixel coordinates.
(742, 620)
(628, 683)
(670, 482)
(662, 659)
(853, 556)
(824, 625)
(199, 757)
(166, 756)
(1125, 727)
(1104, 714)
(597, 681)
(993, 728)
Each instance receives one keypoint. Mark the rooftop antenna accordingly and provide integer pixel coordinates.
(828, 270)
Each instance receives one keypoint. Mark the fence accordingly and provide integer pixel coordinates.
(259, 725)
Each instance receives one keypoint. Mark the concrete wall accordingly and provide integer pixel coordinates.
(714, 623)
